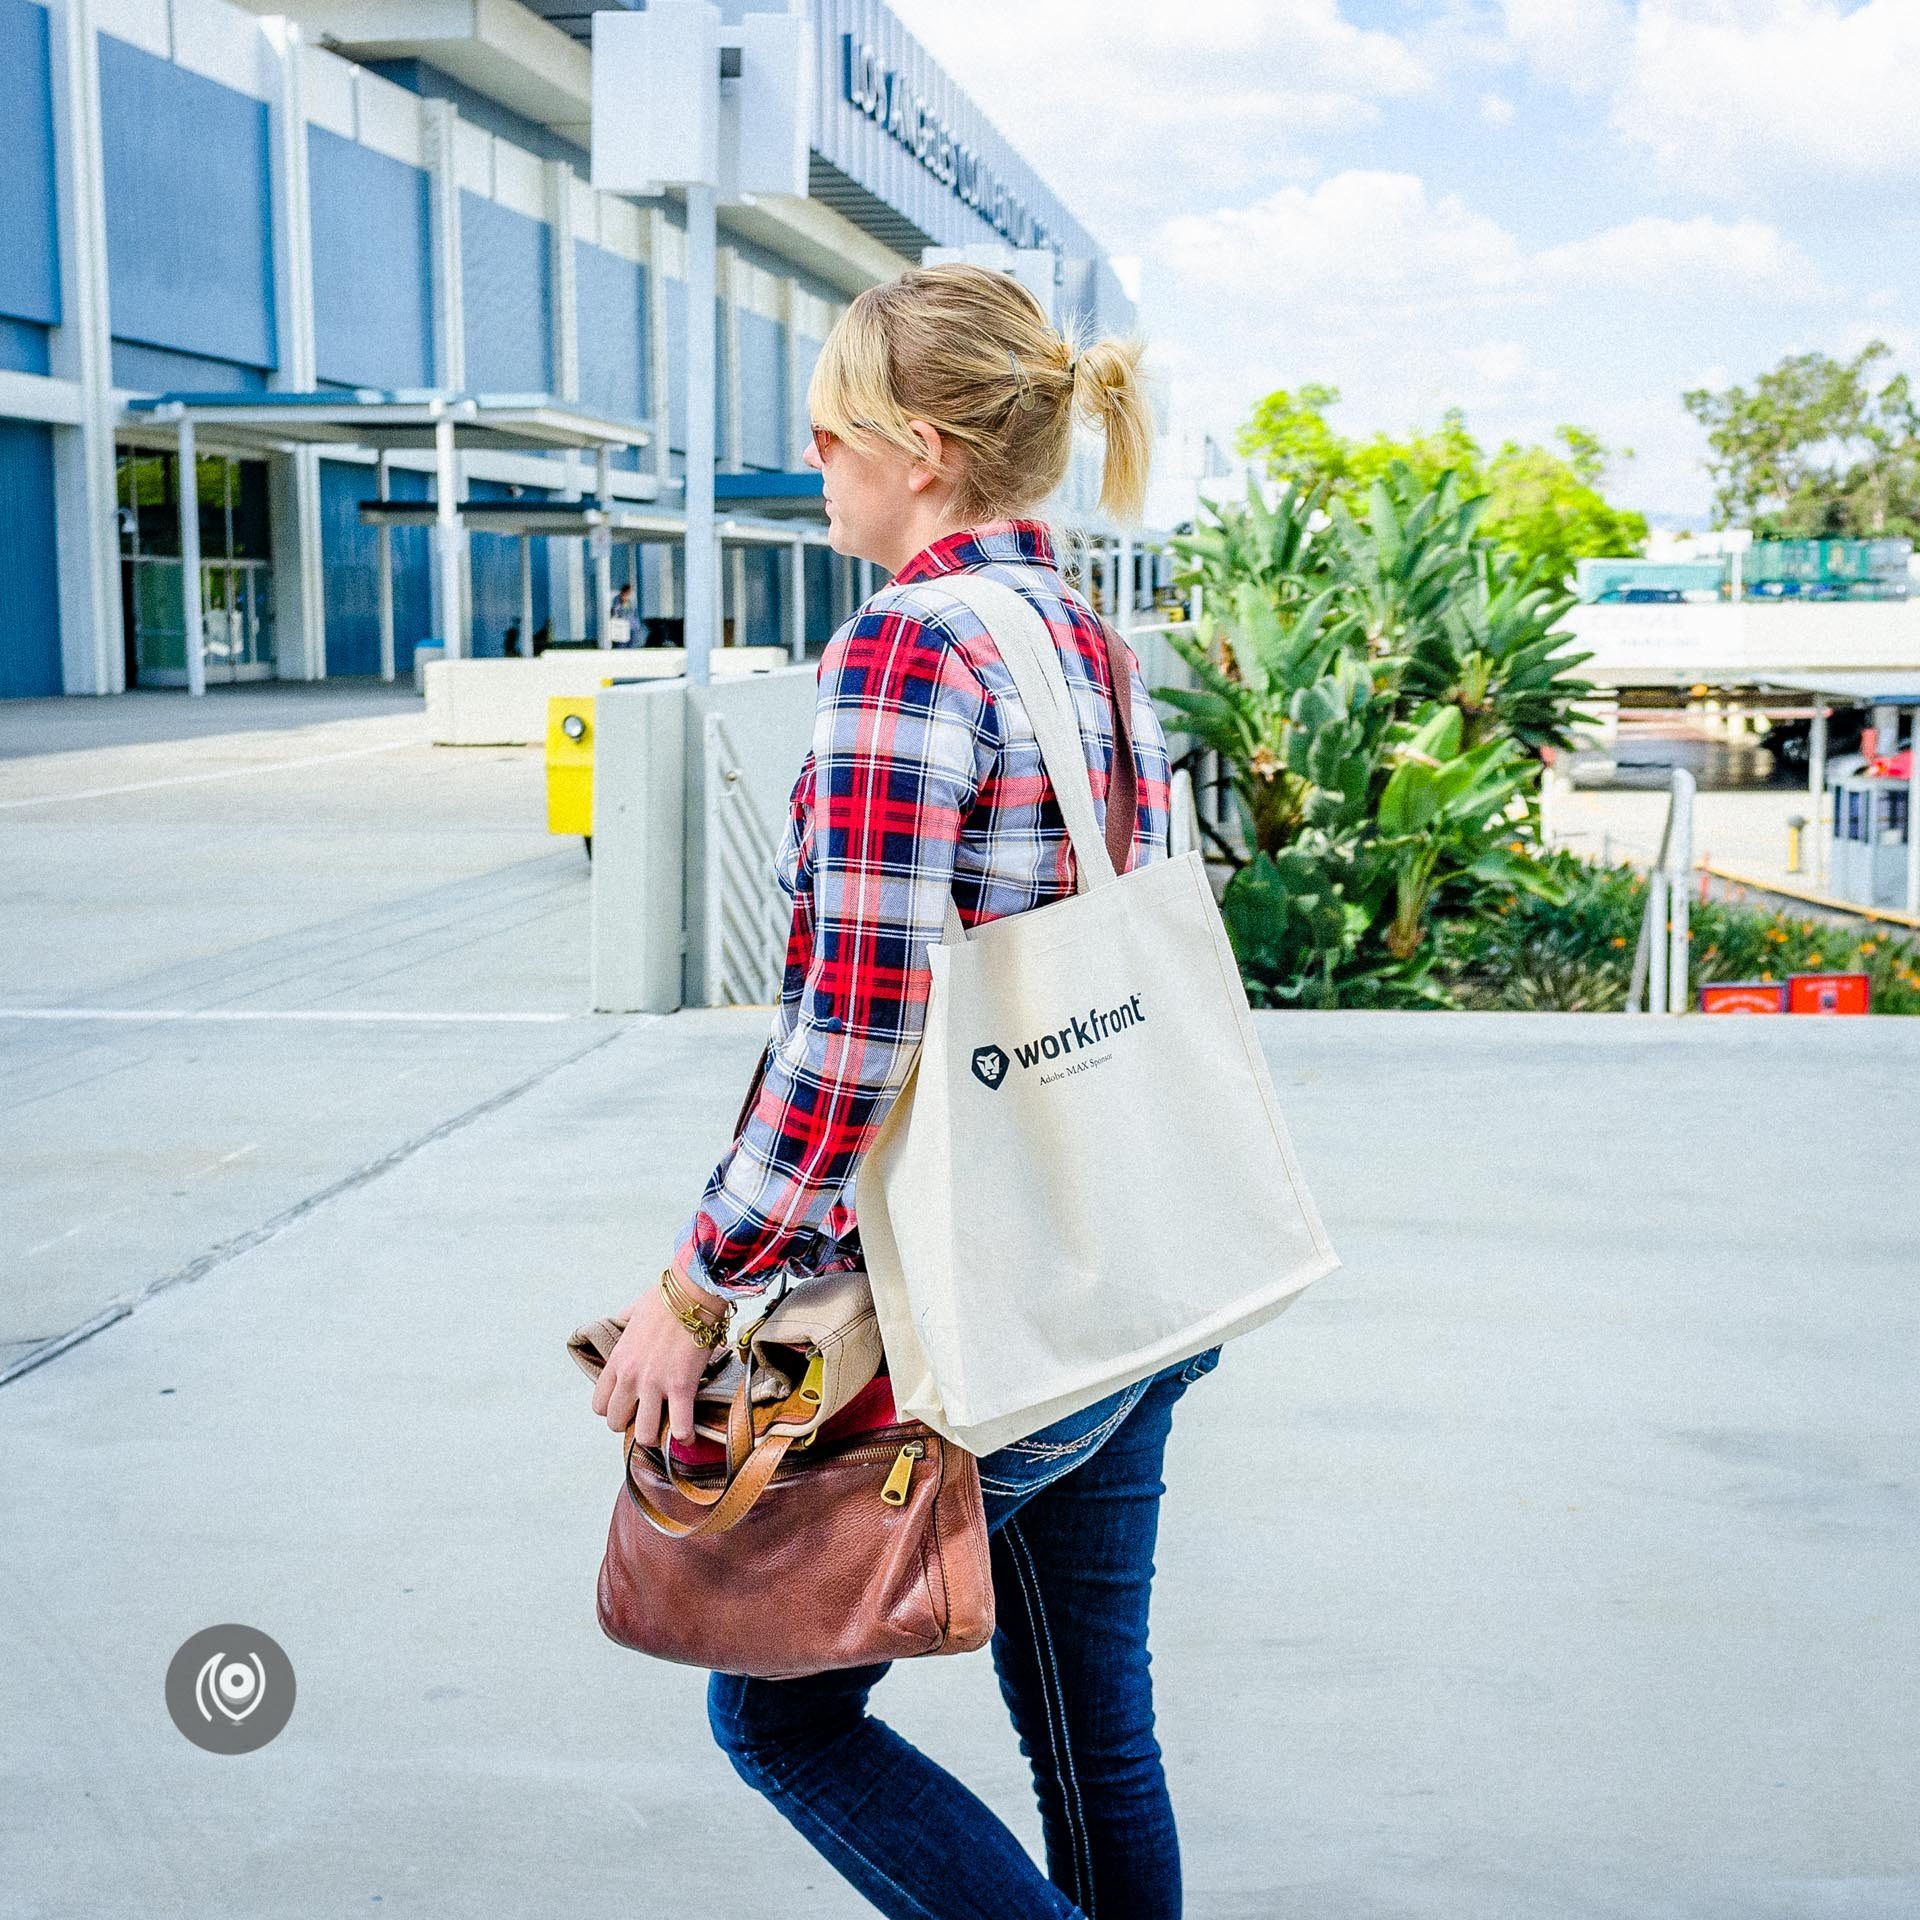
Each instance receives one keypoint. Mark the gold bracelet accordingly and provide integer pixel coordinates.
(706, 1331)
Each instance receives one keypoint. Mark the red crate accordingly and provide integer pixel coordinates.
(1828, 992)
(1744, 996)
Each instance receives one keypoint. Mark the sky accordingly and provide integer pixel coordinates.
(1536, 210)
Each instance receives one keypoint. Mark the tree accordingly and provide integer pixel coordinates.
(1548, 507)
(1819, 448)
(1542, 506)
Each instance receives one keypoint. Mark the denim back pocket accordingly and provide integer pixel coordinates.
(1025, 1466)
(1199, 1364)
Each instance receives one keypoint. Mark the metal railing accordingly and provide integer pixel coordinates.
(747, 911)
(1661, 982)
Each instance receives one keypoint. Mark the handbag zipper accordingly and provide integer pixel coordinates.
(894, 1493)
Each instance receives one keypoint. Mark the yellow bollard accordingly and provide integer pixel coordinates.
(1796, 826)
(570, 767)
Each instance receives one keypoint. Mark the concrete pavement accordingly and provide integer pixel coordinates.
(1555, 1557)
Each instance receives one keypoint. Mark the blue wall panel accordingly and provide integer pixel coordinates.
(505, 287)
(763, 381)
(612, 294)
(676, 305)
(370, 230)
(189, 224)
(29, 581)
(153, 370)
(23, 347)
(29, 245)
(350, 556)
(496, 578)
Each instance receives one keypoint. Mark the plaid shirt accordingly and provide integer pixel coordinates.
(924, 779)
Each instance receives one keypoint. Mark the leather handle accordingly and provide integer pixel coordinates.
(1123, 787)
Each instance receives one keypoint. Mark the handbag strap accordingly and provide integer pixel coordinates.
(1026, 646)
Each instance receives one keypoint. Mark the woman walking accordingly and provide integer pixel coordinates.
(943, 407)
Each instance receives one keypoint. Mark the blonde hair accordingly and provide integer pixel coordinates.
(971, 352)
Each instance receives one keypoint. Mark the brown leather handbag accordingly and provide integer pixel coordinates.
(811, 1541)
(796, 1534)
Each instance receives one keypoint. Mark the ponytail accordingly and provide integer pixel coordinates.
(1109, 394)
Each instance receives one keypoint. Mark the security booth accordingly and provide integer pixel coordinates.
(1871, 821)
(445, 426)
(1867, 803)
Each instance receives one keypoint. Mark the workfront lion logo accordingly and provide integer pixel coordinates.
(990, 1066)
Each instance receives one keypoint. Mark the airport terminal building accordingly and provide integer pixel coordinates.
(346, 268)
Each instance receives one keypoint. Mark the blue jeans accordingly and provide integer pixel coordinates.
(1072, 1512)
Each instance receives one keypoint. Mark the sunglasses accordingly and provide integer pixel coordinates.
(824, 441)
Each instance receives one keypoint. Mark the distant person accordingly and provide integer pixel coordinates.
(510, 646)
(542, 639)
(620, 617)
(943, 406)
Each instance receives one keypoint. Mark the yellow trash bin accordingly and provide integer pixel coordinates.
(570, 766)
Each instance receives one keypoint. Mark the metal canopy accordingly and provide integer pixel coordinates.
(579, 520)
(1854, 689)
(769, 494)
(392, 422)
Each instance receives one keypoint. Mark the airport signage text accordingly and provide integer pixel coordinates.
(887, 98)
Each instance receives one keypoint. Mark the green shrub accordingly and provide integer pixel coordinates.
(1577, 956)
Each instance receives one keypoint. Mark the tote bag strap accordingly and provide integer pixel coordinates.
(1027, 648)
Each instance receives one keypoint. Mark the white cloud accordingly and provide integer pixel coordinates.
(1358, 238)
(1496, 109)
(1410, 301)
(1733, 90)
(1580, 43)
(1125, 104)
(1659, 255)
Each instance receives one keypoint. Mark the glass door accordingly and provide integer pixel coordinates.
(236, 569)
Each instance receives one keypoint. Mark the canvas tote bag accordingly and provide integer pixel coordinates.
(1086, 1176)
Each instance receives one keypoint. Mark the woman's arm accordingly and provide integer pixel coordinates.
(904, 734)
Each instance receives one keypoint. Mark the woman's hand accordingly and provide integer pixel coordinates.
(655, 1364)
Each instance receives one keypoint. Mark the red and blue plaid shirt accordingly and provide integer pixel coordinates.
(923, 779)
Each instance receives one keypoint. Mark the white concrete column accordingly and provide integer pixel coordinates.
(1817, 788)
(441, 123)
(659, 366)
(727, 275)
(1913, 811)
(384, 540)
(566, 559)
(797, 600)
(603, 552)
(87, 540)
(299, 570)
(702, 586)
(794, 392)
(526, 596)
(192, 626)
(450, 560)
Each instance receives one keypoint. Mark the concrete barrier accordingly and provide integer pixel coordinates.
(689, 803)
(503, 703)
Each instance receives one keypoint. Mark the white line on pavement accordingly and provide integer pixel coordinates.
(268, 1013)
(196, 779)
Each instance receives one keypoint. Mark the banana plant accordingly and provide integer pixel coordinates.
(1243, 707)
(1444, 815)
(1270, 548)
(1496, 653)
(1400, 566)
